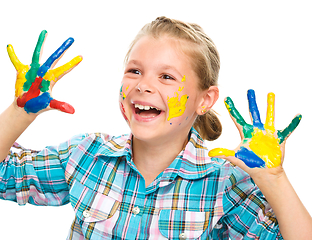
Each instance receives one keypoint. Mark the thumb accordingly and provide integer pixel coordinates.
(62, 106)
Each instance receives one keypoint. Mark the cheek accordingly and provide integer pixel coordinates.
(123, 111)
(176, 105)
(123, 92)
(122, 96)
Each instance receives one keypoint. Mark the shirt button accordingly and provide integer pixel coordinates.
(182, 236)
(86, 214)
(136, 210)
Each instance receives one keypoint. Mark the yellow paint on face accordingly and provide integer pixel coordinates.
(183, 79)
(221, 152)
(181, 88)
(176, 106)
(266, 146)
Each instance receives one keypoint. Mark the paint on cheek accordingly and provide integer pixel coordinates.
(123, 111)
(122, 94)
(266, 146)
(176, 105)
(183, 79)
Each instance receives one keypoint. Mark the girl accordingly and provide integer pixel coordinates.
(158, 182)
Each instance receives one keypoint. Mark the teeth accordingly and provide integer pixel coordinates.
(141, 107)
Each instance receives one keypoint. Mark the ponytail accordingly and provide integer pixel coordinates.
(208, 126)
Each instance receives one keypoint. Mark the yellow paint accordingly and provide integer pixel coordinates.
(181, 88)
(183, 79)
(269, 123)
(124, 95)
(127, 88)
(221, 152)
(227, 106)
(21, 71)
(266, 146)
(57, 73)
(176, 106)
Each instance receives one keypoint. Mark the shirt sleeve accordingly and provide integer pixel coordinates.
(247, 214)
(37, 177)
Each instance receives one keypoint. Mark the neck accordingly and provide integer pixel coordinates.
(152, 158)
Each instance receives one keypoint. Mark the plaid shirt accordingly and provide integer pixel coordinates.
(196, 197)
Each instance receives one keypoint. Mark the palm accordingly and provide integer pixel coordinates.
(261, 145)
(34, 83)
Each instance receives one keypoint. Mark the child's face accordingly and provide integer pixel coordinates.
(159, 95)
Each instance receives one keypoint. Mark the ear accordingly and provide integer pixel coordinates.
(208, 99)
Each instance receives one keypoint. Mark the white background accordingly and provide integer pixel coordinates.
(264, 45)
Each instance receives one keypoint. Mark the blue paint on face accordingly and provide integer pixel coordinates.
(38, 103)
(249, 158)
(57, 54)
(253, 108)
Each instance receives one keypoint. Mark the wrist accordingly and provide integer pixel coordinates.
(21, 114)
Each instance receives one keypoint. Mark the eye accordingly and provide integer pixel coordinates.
(167, 77)
(134, 71)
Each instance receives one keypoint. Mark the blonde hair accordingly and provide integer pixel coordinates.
(204, 58)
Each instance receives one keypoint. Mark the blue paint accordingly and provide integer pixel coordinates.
(249, 158)
(57, 54)
(36, 104)
(253, 108)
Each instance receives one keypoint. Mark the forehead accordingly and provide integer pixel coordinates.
(163, 48)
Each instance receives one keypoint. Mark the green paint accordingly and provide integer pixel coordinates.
(247, 128)
(45, 85)
(34, 66)
(282, 135)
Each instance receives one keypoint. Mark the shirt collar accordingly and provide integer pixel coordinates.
(193, 161)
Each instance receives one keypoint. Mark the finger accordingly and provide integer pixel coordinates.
(62, 106)
(247, 129)
(38, 49)
(34, 66)
(249, 158)
(231, 158)
(221, 152)
(253, 109)
(284, 134)
(55, 57)
(16, 62)
(269, 122)
(58, 73)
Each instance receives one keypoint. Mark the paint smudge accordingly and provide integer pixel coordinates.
(122, 94)
(123, 111)
(266, 146)
(176, 105)
(183, 79)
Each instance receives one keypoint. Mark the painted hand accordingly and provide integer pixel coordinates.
(34, 83)
(261, 146)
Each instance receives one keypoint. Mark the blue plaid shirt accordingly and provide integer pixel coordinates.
(196, 197)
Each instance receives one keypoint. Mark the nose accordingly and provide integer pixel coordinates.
(145, 86)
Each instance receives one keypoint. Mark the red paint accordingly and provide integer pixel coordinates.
(123, 111)
(33, 92)
(62, 106)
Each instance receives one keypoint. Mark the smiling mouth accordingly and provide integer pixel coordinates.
(146, 111)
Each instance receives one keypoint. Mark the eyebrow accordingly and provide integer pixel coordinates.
(161, 66)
